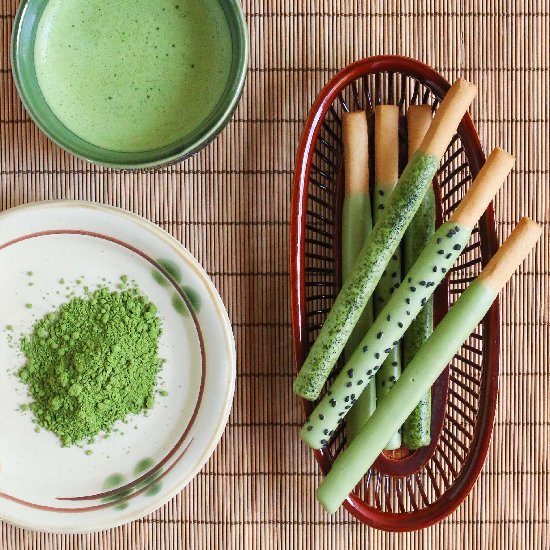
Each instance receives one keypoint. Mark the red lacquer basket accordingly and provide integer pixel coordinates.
(421, 488)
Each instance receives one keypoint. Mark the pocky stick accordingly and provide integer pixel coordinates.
(383, 241)
(440, 253)
(356, 227)
(449, 335)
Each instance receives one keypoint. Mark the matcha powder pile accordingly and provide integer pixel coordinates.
(92, 362)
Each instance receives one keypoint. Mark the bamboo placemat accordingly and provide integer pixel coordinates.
(230, 206)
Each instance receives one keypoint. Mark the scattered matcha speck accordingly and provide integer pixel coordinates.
(88, 452)
(9, 327)
(61, 281)
(29, 273)
(28, 306)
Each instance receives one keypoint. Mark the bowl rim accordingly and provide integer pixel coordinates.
(236, 83)
(452, 497)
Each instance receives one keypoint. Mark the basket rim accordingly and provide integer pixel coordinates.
(458, 491)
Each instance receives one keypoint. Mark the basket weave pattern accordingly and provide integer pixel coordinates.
(427, 485)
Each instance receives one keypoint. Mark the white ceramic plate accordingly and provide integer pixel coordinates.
(134, 471)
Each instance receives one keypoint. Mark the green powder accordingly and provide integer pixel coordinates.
(92, 362)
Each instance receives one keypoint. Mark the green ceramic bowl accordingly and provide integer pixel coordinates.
(22, 58)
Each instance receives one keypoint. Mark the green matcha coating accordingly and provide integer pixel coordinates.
(418, 285)
(92, 362)
(416, 429)
(389, 282)
(417, 378)
(356, 227)
(373, 259)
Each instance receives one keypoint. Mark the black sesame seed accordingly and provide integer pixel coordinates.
(325, 431)
(365, 349)
(457, 229)
(413, 289)
(450, 233)
(394, 364)
(400, 324)
(422, 283)
(377, 355)
(323, 442)
(346, 399)
(408, 312)
(321, 417)
(379, 335)
(369, 372)
(443, 270)
(387, 350)
(408, 300)
(381, 193)
(309, 428)
(441, 252)
(350, 373)
(410, 280)
(347, 407)
(359, 382)
(388, 317)
(456, 247)
(341, 413)
(393, 378)
(438, 240)
(434, 269)
(353, 396)
(394, 257)
(331, 432)
(448, 256)
(394, 274)
(395, 343)
(333, 402)
(348, 385)
(423, 301)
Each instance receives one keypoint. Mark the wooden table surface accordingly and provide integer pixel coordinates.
(230, 206)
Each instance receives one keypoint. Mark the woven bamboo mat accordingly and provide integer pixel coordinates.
(230, 206)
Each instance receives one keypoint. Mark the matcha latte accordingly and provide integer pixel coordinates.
(133, 75)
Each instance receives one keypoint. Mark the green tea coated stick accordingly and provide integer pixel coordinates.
(429, 362)
(438, 256)
(384, 239)
(416, 429)
(386, 168)
(356, 226)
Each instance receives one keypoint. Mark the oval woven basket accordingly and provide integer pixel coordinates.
(402, 491)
